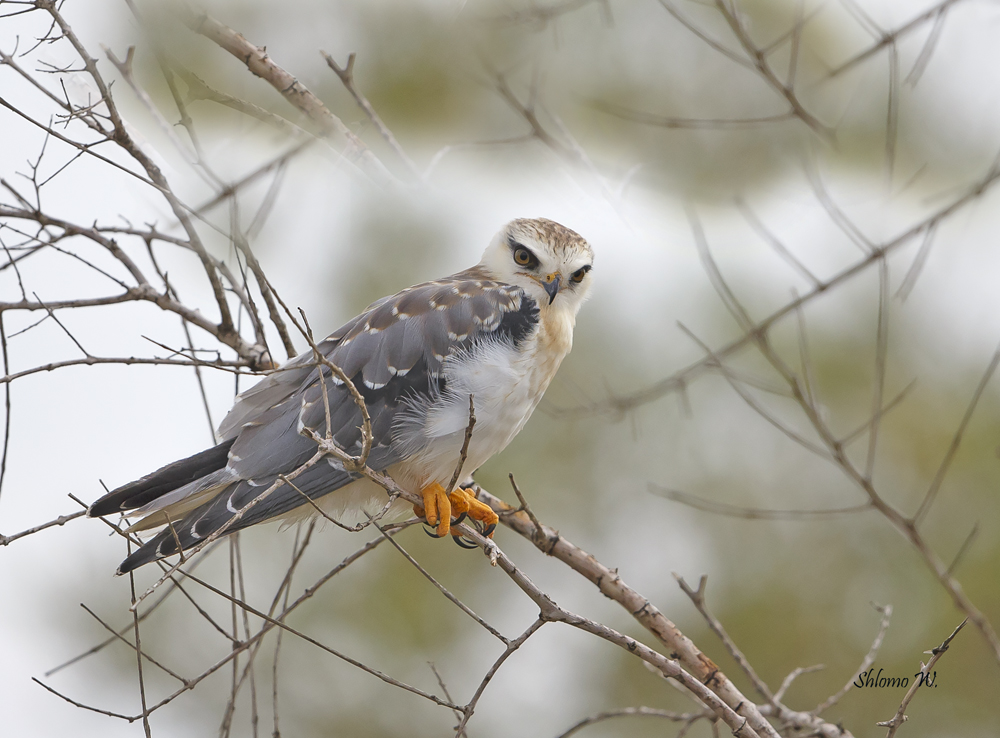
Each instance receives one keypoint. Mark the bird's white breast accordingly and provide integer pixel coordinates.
(506, 383)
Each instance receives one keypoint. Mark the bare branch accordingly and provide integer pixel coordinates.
(261, 65)
(61, 520)
(617, 405)
(551, 612)
(764, 69)
(925, 671)
(869, 659)
(677, 717)
(444, 590)
(116, 636)
(611, 585)
(346, 74)
(752, 513)
(792, 676)
(891, 37)
(698, 598)
(124, 361)
(661, 121)
(956, 441)
(465, 446)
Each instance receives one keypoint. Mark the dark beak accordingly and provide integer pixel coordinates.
(551, 286)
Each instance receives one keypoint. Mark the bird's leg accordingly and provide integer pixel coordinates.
(437, 508)
(464, 500)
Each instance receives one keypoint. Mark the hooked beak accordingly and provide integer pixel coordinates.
(551, 285)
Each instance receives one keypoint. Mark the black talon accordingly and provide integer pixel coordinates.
(460, 518)
(428, 528)
(489, 530)
(462, 542)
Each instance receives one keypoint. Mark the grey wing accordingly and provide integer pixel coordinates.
(393, 352)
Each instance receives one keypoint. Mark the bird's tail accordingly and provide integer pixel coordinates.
(161, 482)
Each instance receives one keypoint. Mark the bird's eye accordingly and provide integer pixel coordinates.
(580, 273)
(524, 257)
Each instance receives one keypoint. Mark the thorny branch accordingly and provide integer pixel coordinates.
(925, 673)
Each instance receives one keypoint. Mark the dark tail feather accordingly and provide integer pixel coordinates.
(138, 493)
(162, 544)
(185, 533)
(200, 523)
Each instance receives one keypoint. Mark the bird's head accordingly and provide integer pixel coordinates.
(545, 259)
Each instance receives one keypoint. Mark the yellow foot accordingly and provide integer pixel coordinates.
(438, 509)
(464, 500)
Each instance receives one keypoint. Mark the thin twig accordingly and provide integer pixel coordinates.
(956, 441)
(261, 65)
(611, 584)
(116, 636)
(346, 74)
(866, 662)
(524, 505)
(447, 696)
(881, 351)
(676, 717)
(792, 676)
(61, 520)
(752, 513)
(138, 652)
(885, 39)
(4, 540)
(698, 598)
(618, 405)
(465, 446)
(444, 590)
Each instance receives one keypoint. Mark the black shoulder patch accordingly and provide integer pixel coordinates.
(517, 325)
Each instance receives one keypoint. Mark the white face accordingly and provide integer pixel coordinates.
(556, 275)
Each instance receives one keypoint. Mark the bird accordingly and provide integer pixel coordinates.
(496, 332)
